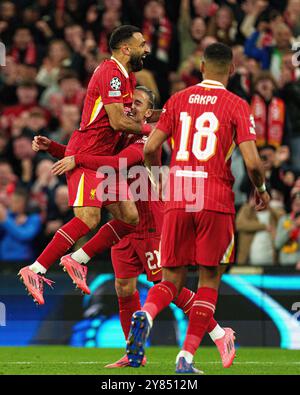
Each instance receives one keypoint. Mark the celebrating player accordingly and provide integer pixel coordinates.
(206, 121)
(108, 98)
(139, 251)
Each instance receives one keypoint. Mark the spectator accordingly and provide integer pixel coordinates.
(24, 49)
(36, 123)
(25, 159)
(68, 91)
(3, 145)
(8, 83)
(60, 213)
(287, 239)
(18, 229)
(161, 35)
(277, 171)
(290, 93)
(68, 121)
(190, 69)
(246, 70)
(74, 36)
(277, 203)
(223, 26)
(44, 187)
(58, 56)
(27, 94)
(256, 232)
(204, 8)
(191, 31)
(269, 113)
(253, 10)
(270, 55)
(8, 182)
(292, 16)
(110, 20)
(8, 21)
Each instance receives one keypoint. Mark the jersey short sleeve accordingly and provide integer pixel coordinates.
(165, 123)
(111, 83)
(243, 122)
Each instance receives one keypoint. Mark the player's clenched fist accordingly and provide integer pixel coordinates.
(40, 143)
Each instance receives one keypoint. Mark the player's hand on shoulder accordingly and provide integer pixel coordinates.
(62, 166)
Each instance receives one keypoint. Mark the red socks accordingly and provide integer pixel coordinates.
(127, 306)
(108, 235)
(62, 241)
(159, 297)
(185, 300)
(211, 326)
(200, 316)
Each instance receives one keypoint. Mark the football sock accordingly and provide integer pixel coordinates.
(127, 306)
(159, 297)
(62, 241)
(187, 355)
(212, 324)
(108, 235)
(216, 333)
(185, 300)
(80, 256)
(36, 267)
(201, 313)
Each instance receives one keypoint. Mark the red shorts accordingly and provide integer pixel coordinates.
(131, 257)
(197, 238)
(85, 189)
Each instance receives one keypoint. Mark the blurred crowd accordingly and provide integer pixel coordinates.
(53, 47)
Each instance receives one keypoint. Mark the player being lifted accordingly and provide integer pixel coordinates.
(206, 121)
(139, 251)
(108, 98)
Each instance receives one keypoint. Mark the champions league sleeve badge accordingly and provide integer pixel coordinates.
(115, 83)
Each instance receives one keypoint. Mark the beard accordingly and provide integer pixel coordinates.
(136, 62)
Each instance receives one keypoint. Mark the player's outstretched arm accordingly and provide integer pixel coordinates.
(256, 172)
(119, 121)
(130, 156)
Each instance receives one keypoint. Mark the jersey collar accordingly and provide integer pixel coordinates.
(122, 68)
(212, 84)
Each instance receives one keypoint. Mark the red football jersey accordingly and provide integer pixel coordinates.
(150, 211)
(110, 83)
(206, 121)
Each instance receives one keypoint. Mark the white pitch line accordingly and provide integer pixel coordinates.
(148, 363)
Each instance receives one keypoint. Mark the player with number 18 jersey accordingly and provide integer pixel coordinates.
(206, 122)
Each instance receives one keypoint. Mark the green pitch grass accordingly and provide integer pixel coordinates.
(68, 360)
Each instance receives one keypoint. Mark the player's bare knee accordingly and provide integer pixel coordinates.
(175, 275)
(129, 213)
(209, 277)
(125, 287)
(131, 218)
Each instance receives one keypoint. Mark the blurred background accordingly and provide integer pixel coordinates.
(52, 48)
